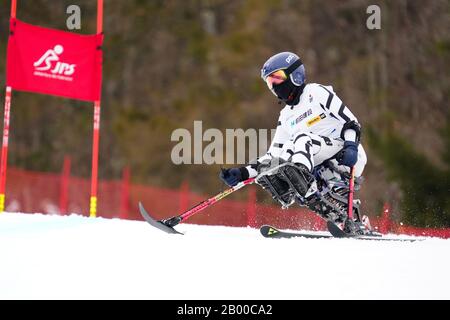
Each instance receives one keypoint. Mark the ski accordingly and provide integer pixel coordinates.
(157, 224)
(272, 232)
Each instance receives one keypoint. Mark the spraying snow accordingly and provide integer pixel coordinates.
(74, 257)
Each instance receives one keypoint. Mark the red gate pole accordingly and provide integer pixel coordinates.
(95, 144)
(94, 177)
(125, 194)
(4, 161)
(64, 189)
(5, 140)
(13, 8)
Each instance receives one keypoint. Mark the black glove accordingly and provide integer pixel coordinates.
(234, 175)
(348, 155)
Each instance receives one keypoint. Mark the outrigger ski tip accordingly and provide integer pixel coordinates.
(336, 231)
(167, 225)
(157, 224)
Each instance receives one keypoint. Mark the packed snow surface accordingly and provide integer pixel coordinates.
(75, 257)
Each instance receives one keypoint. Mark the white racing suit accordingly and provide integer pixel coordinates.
(313, 131)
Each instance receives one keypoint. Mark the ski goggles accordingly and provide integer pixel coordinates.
(276, 77)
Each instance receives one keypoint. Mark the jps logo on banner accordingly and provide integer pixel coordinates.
(49, 65)
(55, 62)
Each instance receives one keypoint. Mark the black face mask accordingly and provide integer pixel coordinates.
(288, 92)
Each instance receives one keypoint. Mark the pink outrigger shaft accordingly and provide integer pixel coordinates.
(206, 203)
(168, 224)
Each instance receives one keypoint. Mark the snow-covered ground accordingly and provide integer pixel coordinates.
(74, 257)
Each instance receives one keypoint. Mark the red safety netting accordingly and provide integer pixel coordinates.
(38, 192)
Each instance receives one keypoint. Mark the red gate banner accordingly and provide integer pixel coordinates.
(54, 62)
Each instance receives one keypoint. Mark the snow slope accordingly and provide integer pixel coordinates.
(74, 257)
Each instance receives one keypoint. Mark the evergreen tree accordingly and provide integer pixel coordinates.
(425, 186)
